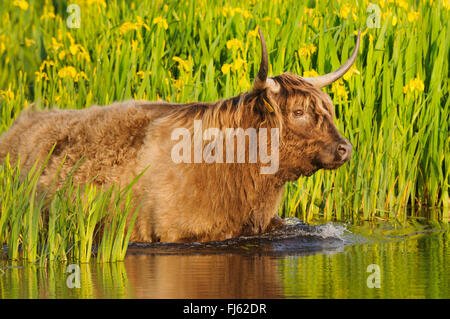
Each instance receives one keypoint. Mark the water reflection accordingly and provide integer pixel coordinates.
(411, 268)
(204, 276)
(302, 262)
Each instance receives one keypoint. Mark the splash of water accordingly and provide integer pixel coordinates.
(294, 227)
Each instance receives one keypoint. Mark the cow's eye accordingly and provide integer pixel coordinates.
(298, 113)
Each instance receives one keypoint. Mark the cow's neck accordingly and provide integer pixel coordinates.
(252, 197)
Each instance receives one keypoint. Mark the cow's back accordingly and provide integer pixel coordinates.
(104, 140)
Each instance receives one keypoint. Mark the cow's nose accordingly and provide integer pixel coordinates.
(344, 151)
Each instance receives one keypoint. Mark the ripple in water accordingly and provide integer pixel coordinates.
(296, 238)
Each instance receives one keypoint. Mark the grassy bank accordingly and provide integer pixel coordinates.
(393, 106)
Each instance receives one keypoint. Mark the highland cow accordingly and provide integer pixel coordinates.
(190, 201)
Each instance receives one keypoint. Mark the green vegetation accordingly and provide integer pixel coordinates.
(62, 227)
(393, 105)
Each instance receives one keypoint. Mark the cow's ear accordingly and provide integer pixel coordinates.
(266, 104)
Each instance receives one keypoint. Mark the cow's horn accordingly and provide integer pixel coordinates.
(327, 79)
(261, 81)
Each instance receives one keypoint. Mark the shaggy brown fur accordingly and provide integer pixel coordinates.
(184, 202)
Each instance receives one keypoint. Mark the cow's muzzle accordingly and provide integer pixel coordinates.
(344, 151)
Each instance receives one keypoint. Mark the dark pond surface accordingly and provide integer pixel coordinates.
(302, 261)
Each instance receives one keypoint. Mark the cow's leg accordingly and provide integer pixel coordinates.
(275, 223)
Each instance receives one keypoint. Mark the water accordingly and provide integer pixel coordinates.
(301, 261)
